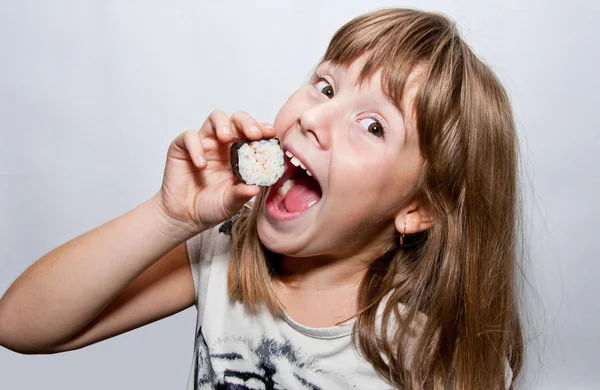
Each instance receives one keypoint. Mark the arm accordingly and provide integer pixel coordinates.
(100, 284)
(110, 280)
(164, 289)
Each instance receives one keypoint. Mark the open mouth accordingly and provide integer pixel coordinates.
(296, 191)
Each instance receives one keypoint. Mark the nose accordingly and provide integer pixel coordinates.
(317, 123)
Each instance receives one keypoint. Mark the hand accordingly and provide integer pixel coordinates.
(199, 188)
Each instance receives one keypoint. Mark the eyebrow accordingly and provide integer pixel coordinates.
(324, 65)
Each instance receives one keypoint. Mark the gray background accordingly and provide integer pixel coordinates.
(92, 93)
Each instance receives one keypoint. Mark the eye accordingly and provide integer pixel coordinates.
(325, 88)
(372, 126)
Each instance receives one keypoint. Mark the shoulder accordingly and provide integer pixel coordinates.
(206, 252)
(217, 239)
(210, 243)
(413, 325)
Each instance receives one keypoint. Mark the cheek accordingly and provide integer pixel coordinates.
(360, 189)
(282, 117)
(364, 170)
(379, 182)
(288, 114)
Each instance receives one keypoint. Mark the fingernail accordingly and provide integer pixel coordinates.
(199, 159)
(269, 127)
(226, 131)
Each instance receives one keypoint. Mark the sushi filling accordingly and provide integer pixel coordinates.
(296, 191)
(257, 162)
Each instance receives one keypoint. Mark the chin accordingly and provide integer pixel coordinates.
(280, 242)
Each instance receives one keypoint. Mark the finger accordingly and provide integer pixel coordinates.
(247, 125)
(240, 194)
(218, 125)
(267, 130)
(192, 142)
(246, 191)
(222, 126)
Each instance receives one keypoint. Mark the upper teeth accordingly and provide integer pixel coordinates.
(294, 160)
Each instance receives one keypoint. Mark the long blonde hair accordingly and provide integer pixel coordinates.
(460, 275)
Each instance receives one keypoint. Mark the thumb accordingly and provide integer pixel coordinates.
(239, 195)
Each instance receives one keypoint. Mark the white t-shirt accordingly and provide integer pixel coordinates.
(238, 349)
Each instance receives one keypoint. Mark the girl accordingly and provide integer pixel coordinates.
(383, 258)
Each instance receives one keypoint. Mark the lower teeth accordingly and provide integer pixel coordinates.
(285, 187)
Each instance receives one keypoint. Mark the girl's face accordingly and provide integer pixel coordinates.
(363, 156)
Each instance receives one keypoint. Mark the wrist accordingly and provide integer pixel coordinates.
(169, 226)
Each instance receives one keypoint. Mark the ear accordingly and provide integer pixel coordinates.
(415, 218)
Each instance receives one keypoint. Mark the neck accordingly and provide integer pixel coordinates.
(321, 272)
(329, 272)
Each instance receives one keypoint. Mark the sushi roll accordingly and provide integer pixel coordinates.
(257, 162)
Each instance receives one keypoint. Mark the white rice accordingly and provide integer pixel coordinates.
(261, 162)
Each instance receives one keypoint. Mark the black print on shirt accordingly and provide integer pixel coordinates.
(251, 366)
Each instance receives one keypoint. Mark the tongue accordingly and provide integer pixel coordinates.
(304, 193)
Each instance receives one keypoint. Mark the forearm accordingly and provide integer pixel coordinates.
(67, 288)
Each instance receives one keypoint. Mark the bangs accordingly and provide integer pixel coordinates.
(393, 42)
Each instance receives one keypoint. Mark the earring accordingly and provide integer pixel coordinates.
(402, 235)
